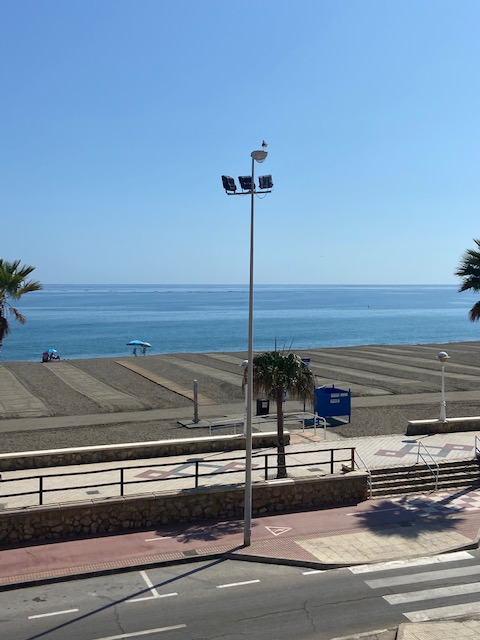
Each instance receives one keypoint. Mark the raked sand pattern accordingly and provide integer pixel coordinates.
(149, 397)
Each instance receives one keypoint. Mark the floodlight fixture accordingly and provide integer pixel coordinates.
(229, 184)
(245, 182)
(265, 182)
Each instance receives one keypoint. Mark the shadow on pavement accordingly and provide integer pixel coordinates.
(388, 517)
(207, 530)
(111, 605)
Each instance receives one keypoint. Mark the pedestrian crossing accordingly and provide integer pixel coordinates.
(403, 585)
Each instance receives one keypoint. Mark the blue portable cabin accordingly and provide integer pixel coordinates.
(332, 402)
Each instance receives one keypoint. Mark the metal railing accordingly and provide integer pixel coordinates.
(328, 459)
(369, 473)
(435, 469)
(231, 423)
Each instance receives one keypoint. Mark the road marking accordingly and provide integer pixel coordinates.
(452, 611)
(236, 584)
(431, 594)
(164, 595)
(428, 576)
(54, 613)
(155, 593)
(159, 538)
(143, 633)
(414, 562)
(310, 573)
(277, 531)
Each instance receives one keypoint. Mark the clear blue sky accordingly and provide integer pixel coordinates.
(118, 118)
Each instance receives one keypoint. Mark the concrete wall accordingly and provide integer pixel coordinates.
(38, 524)
(132, 451)
(422, 427)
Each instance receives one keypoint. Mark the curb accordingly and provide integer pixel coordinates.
(132, 564)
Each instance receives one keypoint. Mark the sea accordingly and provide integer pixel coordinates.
(92, 321)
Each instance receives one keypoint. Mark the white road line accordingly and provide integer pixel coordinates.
(310, 573)
(149, 583)
(164, 595)
(143, 633)
(236, 584)
(431, 594)
(414, 562)
(159, 538)
(429, 576)
(54, 613)
(154, 592)
(452, 611)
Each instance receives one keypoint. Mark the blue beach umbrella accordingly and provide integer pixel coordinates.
(137, 343)
(51, 351)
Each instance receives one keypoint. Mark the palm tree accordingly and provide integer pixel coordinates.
(274, 374)
(469, 270)
(13, 285)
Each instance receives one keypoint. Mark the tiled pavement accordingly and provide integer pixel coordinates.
(376, 530)
(174, 473)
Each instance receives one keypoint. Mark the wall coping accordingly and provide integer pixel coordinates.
(136, 445)
(466, 420)
(450, 425)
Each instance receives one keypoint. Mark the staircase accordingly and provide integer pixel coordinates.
(394, 481)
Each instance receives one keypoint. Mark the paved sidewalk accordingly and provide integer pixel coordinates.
(171, 474)
(372, 531)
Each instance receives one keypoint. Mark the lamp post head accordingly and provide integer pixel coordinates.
(443, 356)
(259, 156)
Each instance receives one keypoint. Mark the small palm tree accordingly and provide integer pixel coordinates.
(13, 285)
(274, 374)
(469, 270)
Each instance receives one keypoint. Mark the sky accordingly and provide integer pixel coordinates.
(119, 117)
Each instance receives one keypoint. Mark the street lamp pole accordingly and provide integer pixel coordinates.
(443, 357)
(247, 533)
(248, 188)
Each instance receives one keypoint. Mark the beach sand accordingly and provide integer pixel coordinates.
(130, 399)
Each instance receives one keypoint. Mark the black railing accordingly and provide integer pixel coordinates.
(327, 459)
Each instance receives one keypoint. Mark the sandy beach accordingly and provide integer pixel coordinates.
(108, 400)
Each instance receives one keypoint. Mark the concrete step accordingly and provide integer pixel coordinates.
(396, 481)
(474, 464)
(405, 489)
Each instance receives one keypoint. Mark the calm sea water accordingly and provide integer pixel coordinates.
(84, 321)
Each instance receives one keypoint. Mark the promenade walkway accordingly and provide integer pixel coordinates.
(176, 473)
(373, 531)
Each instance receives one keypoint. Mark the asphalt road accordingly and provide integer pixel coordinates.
(237, 600)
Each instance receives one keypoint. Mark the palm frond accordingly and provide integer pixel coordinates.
(13, 285)
(469, 271)
(474, 313)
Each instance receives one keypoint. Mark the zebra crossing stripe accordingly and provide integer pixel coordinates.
(432, 594)
(413, 562)
(427, 576)
(452, 611)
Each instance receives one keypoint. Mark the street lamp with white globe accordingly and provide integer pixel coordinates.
(265, 185)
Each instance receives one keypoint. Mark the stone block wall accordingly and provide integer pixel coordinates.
(451, 425)
(40, 524)
(132, 451)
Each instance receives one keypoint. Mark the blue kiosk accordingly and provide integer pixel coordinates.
(331, 402)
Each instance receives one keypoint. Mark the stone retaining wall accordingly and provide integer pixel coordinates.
(133, 451)
(422, 427)
(39, 524)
